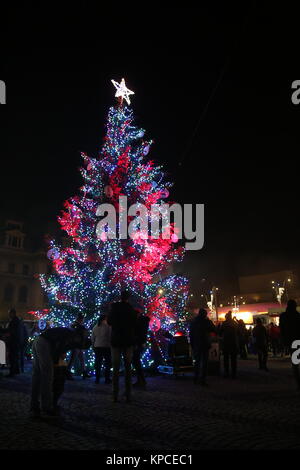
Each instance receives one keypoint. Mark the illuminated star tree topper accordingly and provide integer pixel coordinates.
(122, 91)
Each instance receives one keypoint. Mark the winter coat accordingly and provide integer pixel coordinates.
(229, 334)
(289, 324)
(141, 330)
(122, 319)
(101, 335)
(261, 336)
(200, 329)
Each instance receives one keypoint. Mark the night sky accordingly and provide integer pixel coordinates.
(212, 88)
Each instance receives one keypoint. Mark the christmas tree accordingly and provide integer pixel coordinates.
(95, 265)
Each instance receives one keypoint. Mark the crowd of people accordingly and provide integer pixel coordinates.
(236, 340)
(121, 335)
(16, 338)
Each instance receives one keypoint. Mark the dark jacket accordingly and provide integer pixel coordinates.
(261, 336)
(141, 330)
(122, 319)
(200, 329)
(229, 334)
(23, 332)
(289, 324)
(242, 333)
(14, 331)
(62, 340)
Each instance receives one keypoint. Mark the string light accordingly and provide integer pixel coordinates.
(91, 272)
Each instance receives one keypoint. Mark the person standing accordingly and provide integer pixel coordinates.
(274, 334)
(48, 348)
(23, 343)
(250, 345)
(289, 324)
(78, 353)
(122, 318)
(101, 336)
(140, 338)
(261, 342)
(14, 343)
(229, 335)
(243, 339)
(200, 329)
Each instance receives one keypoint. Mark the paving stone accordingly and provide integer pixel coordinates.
(258, 410)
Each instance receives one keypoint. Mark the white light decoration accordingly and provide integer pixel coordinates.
(280, 294)
(122, 90)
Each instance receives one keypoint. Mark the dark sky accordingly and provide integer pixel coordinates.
(212, 88)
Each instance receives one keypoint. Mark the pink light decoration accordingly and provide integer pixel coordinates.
(154, 324)
(165, 193)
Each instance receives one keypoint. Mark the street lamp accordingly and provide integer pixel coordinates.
(236, 307)
(289, 280)
(212, 303)
(280, 290)
(215, 300)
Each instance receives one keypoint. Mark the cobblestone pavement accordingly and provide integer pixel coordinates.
(258, 410)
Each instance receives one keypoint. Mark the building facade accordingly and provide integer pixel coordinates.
(263, 287)
(19, 269)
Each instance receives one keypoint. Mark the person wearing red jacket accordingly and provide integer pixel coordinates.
(274, 335)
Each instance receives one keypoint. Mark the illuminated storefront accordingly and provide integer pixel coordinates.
(247, 312)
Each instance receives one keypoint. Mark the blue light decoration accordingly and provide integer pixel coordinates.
(89, 273)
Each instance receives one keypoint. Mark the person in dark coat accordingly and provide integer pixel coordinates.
(229, 335)
(23, 343)
(48, 348)
(200, 329)
(78, 353)
(243, 339)
(289, 324)
(122, 319)
(14, 343)
(260, 335)
(140, 338)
